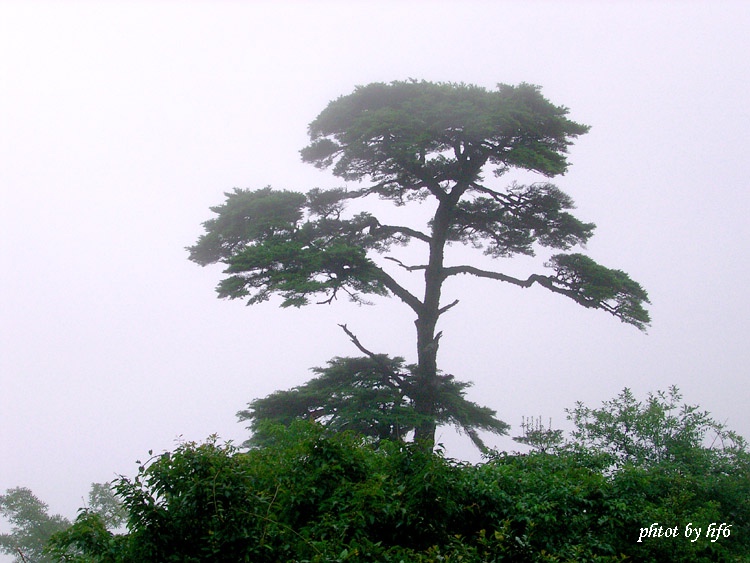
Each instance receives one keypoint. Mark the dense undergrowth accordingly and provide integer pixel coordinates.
(310, 495)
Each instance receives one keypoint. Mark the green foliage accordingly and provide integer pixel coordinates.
(371, 396)
(104, 503)
(675, 465)
(414, 141)
(268, 249)
(595, 286)
(88, 540)
(399, 135)
(33, 530)
(512, 223)
(91, 538)
(312, 495)
(31, 525)
(389, 131)
(660, 430)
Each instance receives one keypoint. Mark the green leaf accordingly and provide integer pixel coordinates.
(593, 285)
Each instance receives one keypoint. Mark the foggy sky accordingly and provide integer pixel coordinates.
(121, 123)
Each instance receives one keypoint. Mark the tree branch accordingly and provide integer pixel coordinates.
(408, 231)
(435, 344)
(557, 285)
(497, 196)
(449, 306)
(364, 192)
(357, 343)
(399, 291)
(509, 200)
(377, 358)
(331, 299)
(544, 281)
(404, 266)
(427, 180)
(455, 270)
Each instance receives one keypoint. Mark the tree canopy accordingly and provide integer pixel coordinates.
(31, 525)
(371, 396)
(411, 142)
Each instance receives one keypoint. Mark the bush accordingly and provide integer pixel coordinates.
(310, 495)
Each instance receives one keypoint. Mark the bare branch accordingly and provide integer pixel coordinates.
(550, 282)
(455, 270)
(544, 281)
(449, 306)
(408, 231)
(401, 292)
(435, 344)
(377, 358)
(404, 266)
(357, 343)
(364, 192)
(330, 300)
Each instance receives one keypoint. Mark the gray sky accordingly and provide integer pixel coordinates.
(121, 123)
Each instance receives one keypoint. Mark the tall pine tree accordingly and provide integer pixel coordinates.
(418, 142)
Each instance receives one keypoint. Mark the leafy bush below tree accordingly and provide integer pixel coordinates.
(312, 495)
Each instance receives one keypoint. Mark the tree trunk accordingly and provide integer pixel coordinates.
(427, 396)
(425, 399)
